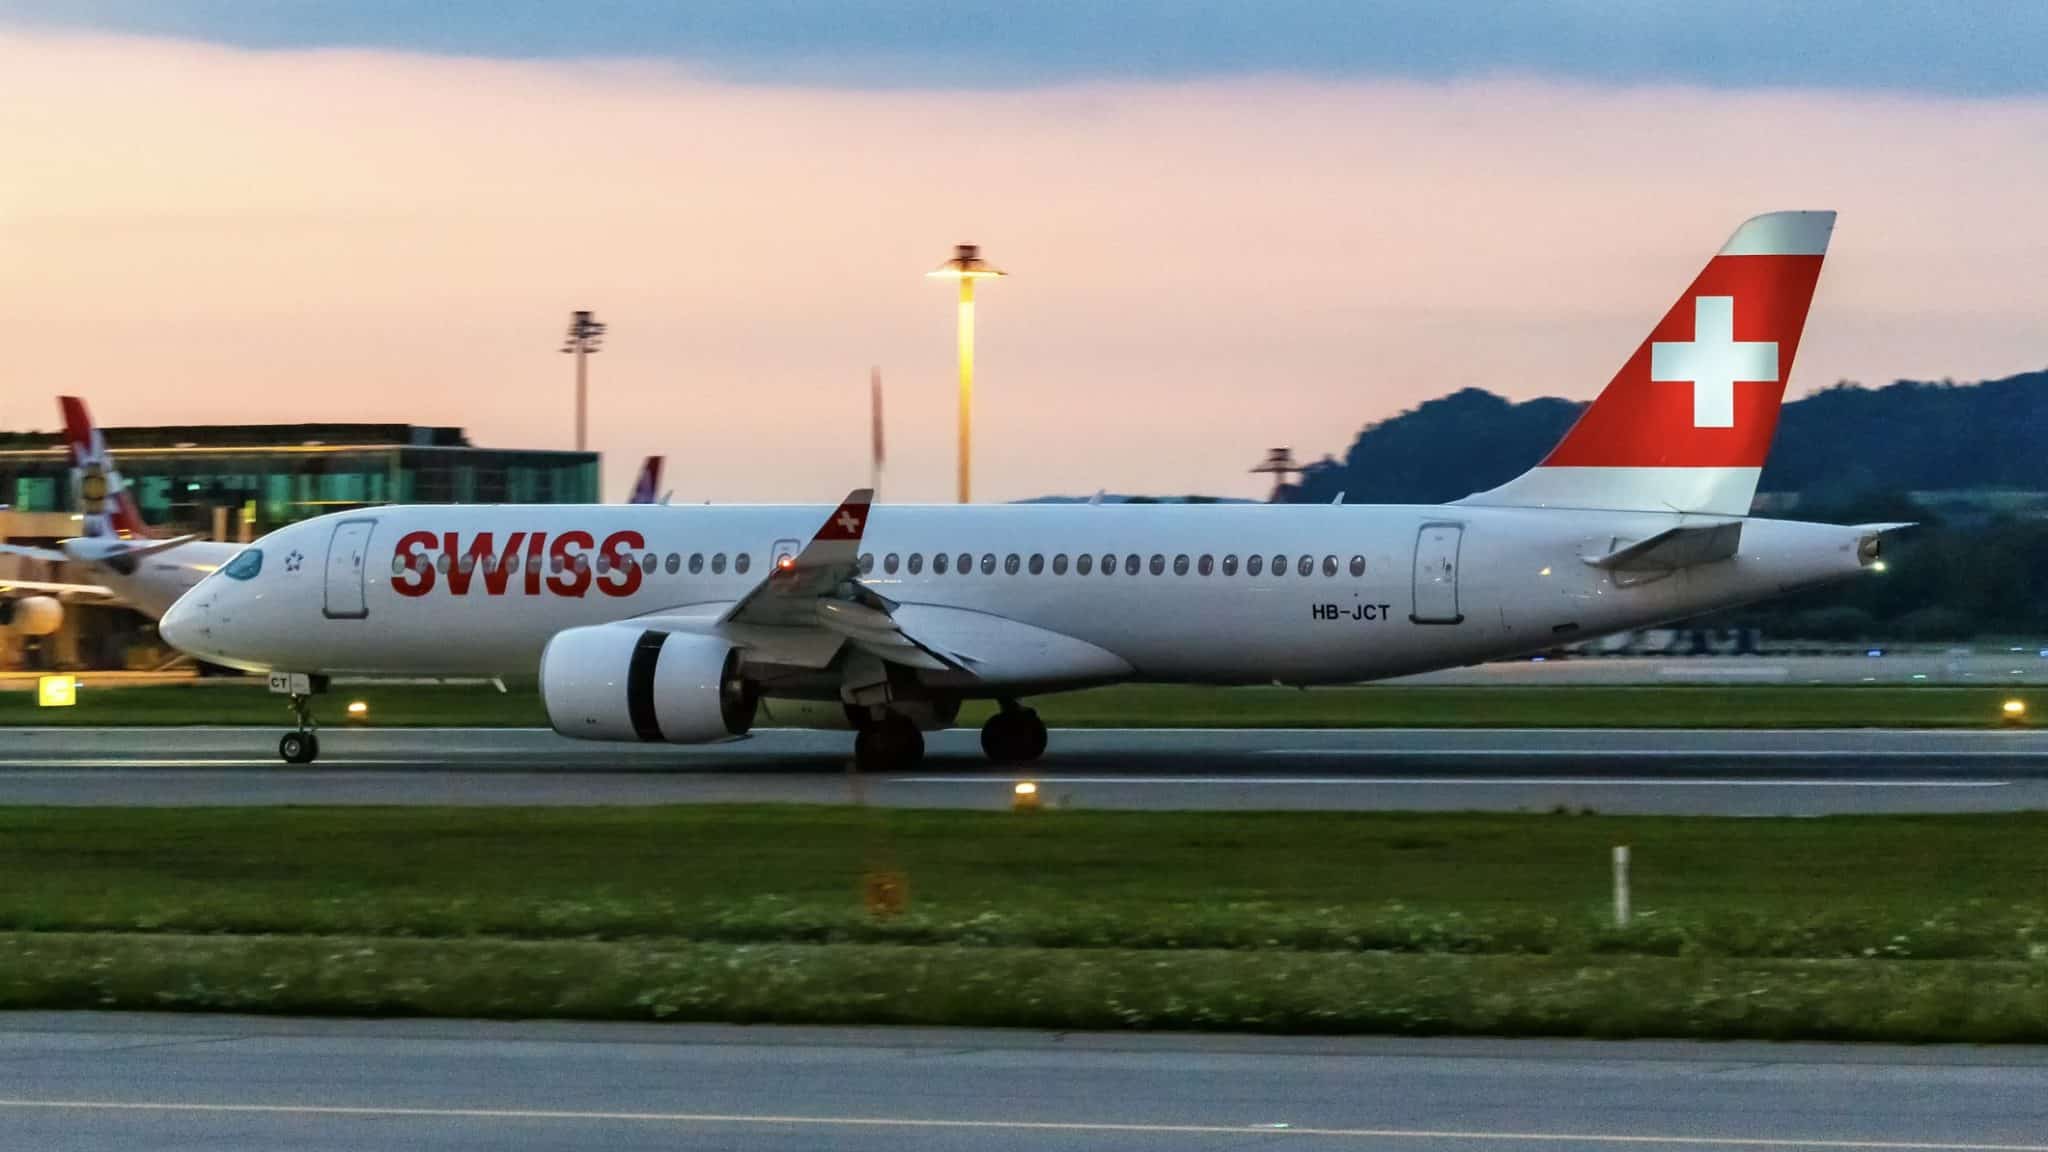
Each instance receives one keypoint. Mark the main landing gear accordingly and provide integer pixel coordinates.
(889, 742)
(1013, 735)
(302, 746)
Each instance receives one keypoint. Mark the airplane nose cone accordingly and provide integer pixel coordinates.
(184, 626)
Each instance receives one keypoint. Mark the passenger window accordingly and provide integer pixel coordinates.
(1253, 565)
(1037, 564)
(1230, 564)
(246, 564)
(717, 563)
(988, 563)
(916, 563)
(1180, 564)
(889, 564)
(966, 563)
(696, 563)
(1358, 565)
(675, 561)
(557, 565)
(581, 564)
(867, 563)
(1279, 564)
(1329, 565)
(1158, 564)
(1207, 564)
(742, 562)
(398, 566)
(1010, 564)
(1109, 563)
(939, 563)
(1306, 566)
(442, 563)
(1059, 563)
(1084, 564)
(1131, 563)
(604, 564)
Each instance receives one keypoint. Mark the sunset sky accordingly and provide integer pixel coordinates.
(1230, 229)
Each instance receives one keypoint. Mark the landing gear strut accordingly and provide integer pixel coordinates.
(888, 743)
(302, 746)
(1013, 735)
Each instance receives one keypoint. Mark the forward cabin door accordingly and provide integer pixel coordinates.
(347, 555)
(1436, 574)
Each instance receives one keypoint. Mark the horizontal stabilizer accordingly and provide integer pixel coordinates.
(1674, 548)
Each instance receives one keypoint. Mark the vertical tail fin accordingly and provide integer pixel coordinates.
(1687, 422)
(108, 507)
(647, 488)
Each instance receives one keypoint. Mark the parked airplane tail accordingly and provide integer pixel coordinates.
(647, 488)
(1687, 422)
(106, 503)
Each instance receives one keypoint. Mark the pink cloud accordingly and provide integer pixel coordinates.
(1201, 270)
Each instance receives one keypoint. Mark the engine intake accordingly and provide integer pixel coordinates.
(620, 682)
(32, 615)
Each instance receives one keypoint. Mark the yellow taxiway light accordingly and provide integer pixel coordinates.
(2014, 711)
(1024, 796)
(358, 710)
(56, 691)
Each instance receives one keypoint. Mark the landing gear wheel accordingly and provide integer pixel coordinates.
(1014, 736)
(302, 746)
(892, 744)
(299, 747)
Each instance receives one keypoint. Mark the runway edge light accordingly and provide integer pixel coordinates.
(56, 691)
(1024, 797)
(2013, 711)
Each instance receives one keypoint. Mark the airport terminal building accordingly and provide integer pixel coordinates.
(236, 482)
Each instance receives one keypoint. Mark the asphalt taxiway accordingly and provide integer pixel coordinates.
(94, 1083)
(1797, 772)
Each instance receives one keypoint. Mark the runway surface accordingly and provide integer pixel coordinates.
(99, 1083)
(1718, 772)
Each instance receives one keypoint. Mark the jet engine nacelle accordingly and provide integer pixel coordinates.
(32, 615)
(621, 682)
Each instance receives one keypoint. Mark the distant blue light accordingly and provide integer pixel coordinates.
(1541, 659)
(1875, 652)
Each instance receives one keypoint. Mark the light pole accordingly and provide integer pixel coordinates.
(966, 266)
(586, 335)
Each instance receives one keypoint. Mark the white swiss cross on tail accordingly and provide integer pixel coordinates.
(1647, 446)
(1713, 361)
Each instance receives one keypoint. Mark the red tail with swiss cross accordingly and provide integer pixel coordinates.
(1687, 422)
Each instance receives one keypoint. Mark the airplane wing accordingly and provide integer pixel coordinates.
(814, 604)
(787, 595)
(46, 555)
(1674, 548)
(62, 591)
(817, 589)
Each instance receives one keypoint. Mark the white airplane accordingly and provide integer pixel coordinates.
(672, 623)
(116, 547)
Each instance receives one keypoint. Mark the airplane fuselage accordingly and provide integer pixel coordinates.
(1198, 593)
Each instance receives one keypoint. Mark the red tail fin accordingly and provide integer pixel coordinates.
(1687, 422)
(104, 500)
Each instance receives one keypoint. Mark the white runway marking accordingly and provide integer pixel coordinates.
(1416, 1135)
(1455, 781)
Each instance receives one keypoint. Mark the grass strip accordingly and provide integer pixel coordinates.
(1135, 705)
(1881, 887)
(1616, 997)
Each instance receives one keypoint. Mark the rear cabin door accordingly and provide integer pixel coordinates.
(1436, 574)
(347, 553)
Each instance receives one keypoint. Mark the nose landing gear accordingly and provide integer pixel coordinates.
(1013, 735)
(302, 746)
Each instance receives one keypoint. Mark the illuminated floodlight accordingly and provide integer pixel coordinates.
(966, 266)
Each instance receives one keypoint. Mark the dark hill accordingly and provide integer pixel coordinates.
(1832, 446)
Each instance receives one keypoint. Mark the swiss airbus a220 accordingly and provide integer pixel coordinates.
(672, 623)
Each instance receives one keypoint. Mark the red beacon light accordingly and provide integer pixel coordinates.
(785, 563)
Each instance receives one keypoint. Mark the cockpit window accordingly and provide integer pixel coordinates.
(246, 565)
